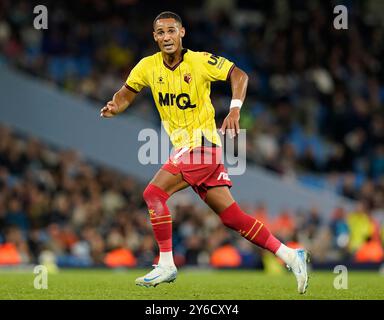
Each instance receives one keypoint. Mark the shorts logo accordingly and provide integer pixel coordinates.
(224, 176)
(152, 212)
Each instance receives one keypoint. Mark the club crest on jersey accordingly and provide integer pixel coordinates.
(187, 78)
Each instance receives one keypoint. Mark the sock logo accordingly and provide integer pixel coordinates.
(152, 212)
(242, 232)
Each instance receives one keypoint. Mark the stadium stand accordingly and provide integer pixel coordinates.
(314, 113)
(57, 202)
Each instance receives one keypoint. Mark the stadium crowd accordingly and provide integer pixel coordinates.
(314, 112)
(88, 215)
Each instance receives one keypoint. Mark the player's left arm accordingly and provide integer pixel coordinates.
(239, 83)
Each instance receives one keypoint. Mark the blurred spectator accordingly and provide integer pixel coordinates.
(370, 251)
(339, 229)
(360, 226)
(284, 226)
(120, 258)
(16, 216)
(225, 257)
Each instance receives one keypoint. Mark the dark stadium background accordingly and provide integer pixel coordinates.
(314, 114)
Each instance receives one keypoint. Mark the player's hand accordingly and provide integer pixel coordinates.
(231, 123)
(110, 110)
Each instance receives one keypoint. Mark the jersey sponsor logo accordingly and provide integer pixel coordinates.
(224, 176)
(182, 100)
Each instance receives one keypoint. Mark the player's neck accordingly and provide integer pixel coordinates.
(173, 59)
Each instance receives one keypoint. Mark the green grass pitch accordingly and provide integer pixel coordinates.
(190, 284)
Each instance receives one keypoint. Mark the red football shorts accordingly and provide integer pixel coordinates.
(201, 167)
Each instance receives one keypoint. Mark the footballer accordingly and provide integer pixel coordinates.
(180, 81)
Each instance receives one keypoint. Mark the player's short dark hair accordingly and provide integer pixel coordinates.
(167, 15)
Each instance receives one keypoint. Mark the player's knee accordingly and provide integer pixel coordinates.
(153, 194)
(149, 195)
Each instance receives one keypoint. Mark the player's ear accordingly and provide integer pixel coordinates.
(155, 36)
(182, 32)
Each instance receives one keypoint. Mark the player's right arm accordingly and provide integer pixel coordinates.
(120, 101)
(123, 98)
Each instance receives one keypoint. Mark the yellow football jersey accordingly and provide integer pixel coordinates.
(182, 93)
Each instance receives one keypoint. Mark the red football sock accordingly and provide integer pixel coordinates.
(161, 219)
(250, 228)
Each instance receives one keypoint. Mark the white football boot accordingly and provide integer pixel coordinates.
(299, 269)
(160, 274)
